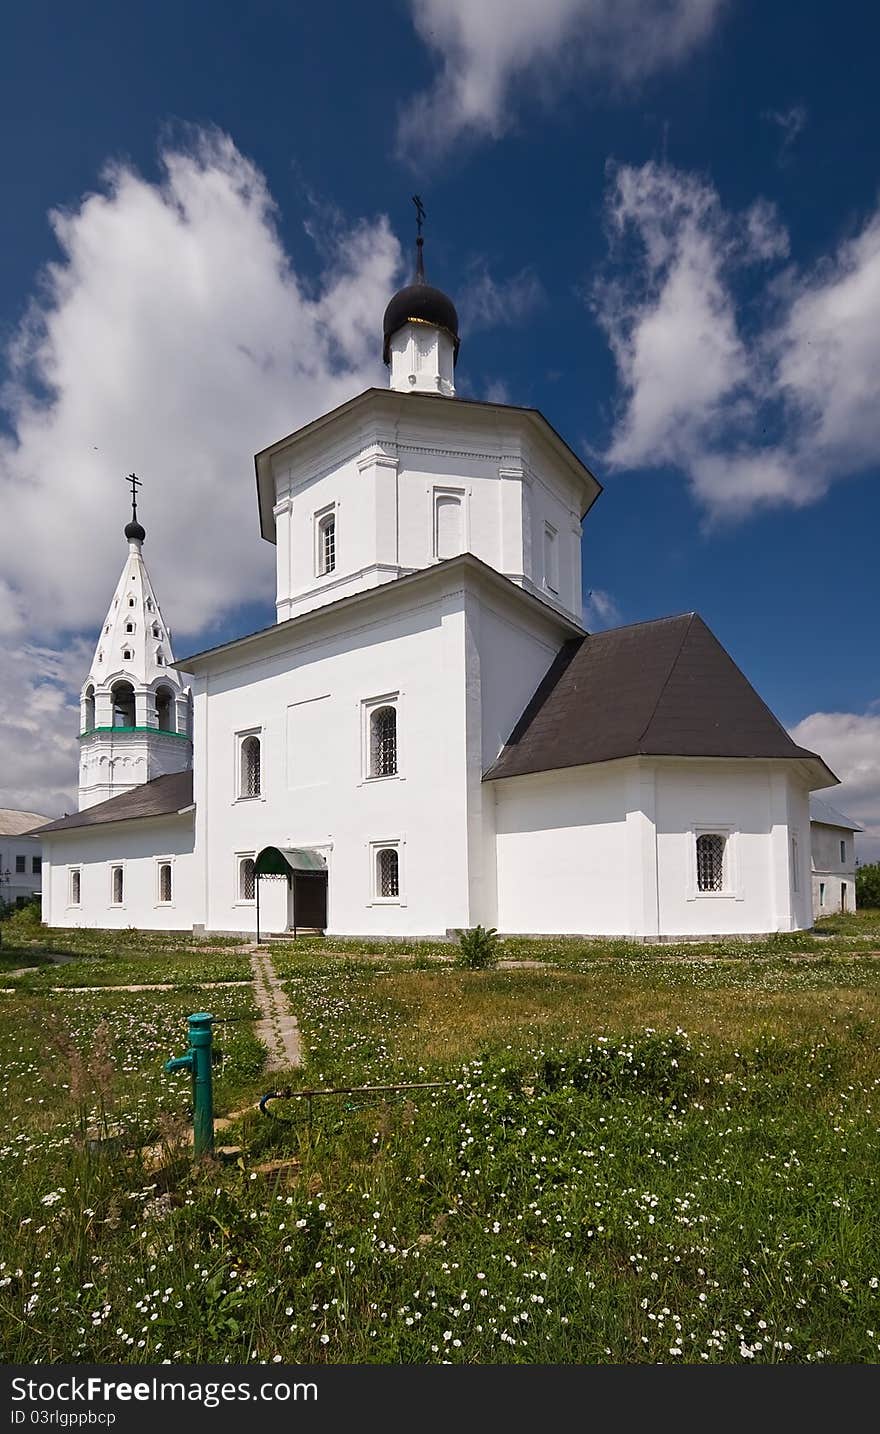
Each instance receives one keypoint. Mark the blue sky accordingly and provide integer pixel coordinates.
(660, 222)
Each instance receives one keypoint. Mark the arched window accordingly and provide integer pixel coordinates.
(387, 872)
(246, 879)
(164, 881)
(326, 544)
(116, 885)
(383, 742)
(75, 886)
(129, 627)
(165, 709)
(127, 654)
(89, 714)
(123, 704)
(249, 772)
(710, 862)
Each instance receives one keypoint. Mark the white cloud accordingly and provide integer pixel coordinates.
(497, 391)
(484, 302)
(850, 744)
(173, 337)
(485, 46)
(701, 382)
(600, 611)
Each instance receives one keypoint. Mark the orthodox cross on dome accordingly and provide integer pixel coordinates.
(136, 483)
(134, 530)
(420, 215)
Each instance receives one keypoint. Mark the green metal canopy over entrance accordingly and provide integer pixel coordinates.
(305, 872)
(284, 860)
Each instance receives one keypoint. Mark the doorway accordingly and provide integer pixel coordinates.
(307, 901)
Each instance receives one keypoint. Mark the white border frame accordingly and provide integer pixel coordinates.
(161, 861)
(463, 494)
(240, 735)
(116, 905)
(74, 905)
(552, 532)
(318, 518)
(397, 844)
(238, 899)
(732, 889)
(368, 706)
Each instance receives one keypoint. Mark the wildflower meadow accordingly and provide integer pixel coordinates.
(609, 1154)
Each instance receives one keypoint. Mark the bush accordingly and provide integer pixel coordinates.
(478, 947)
(868, 884)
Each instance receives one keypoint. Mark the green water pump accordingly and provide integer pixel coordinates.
(198, 1061)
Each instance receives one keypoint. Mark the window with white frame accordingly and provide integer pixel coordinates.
(821, 893)
(164, 879)
(795, 864)
(20, 865)
(710, 861)
(387, 873)
(247, 880)
(842, 851)
(74, 886)
(117, 886)
(325, 542)
(383, 742)
(250, 777)
(551, 558)
(448, 525)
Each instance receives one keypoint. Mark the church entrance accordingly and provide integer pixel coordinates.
(307, 901)
(305, 871)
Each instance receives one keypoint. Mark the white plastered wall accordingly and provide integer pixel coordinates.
(138, 846)
(458, 663)
(830, 871)
(610, 849)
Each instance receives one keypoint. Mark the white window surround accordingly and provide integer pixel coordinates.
(160, 862)
(239, 900)
(551, 559)
(732, 888)
(443, 496)
(73, 871)
(397, 844)
(368, 707)
(323, 519)
(795, 864)
(240, 738)
(117, 866)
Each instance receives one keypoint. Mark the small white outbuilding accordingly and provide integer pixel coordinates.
(833, 853)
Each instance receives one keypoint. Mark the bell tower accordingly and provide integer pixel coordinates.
(135, 708)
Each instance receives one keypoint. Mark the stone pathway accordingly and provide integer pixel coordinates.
(278, 1030)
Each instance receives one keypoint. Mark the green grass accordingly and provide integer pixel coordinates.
(634, 1157)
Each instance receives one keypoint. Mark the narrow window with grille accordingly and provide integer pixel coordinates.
(383, 742)
(387, 873)
(75, 879)
(249, 774)
(165, 881)
(710, 862)
(116, 885)
(246, 879)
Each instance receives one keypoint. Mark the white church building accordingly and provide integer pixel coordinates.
(427, 738)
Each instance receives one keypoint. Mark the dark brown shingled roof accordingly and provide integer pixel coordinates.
(160, 798)
(664, 688)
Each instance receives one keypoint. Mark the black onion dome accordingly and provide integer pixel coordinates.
(134, 532)
(423, 304)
